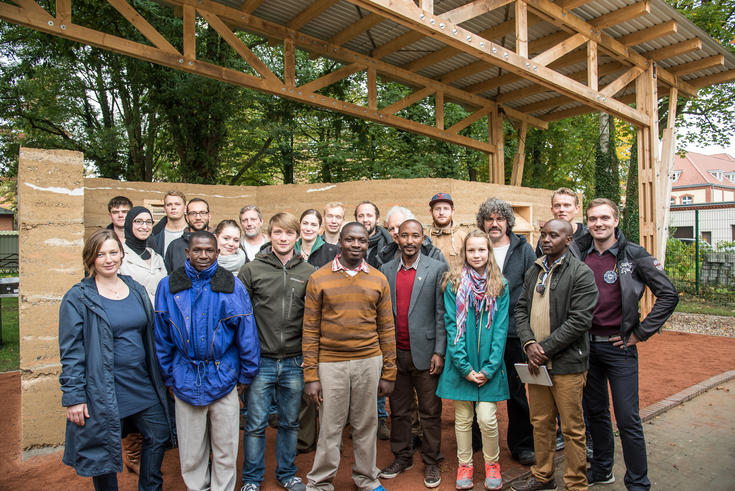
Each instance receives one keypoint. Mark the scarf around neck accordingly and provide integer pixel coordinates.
(232, 262)
(137, 245)
(472, 292)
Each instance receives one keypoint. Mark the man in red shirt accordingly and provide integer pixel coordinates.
(418, 309)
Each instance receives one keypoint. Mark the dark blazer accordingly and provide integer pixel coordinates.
(426, 311)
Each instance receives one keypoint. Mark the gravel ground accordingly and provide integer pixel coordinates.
(711, 325)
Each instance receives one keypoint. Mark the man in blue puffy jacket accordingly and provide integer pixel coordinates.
(208, 350)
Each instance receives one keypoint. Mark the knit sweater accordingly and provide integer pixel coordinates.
(348, 318)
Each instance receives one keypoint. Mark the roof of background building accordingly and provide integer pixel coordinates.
(695, 169)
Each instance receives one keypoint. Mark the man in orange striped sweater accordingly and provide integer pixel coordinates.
(349, 348)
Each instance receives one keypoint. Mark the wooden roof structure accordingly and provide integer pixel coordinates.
(533, 61)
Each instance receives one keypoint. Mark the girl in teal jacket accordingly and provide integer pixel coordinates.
(476, 319)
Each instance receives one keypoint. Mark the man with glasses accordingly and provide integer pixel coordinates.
(197, 216)
(118, 208)
(553, 315)
(514, 256)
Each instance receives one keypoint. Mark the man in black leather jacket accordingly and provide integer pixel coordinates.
(622, 271)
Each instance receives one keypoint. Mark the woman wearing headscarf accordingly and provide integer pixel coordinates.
(141, 262)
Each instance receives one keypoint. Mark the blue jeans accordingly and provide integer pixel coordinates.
(620, 368)
(153, 425)
(284, 379)
(382, 413)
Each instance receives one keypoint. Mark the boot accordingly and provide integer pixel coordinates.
(132, 445)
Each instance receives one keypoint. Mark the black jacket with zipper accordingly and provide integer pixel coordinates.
(277, 293)
(638, 269)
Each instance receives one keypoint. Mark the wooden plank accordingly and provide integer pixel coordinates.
(471, 10)
(649, 34)
(427, 6)
(249, 6)
(673, 99)
(592, 75)
(372, 87)
(521, 29)
(519, 159)
(472, 118)
(189, 40)
(497, 137)
(142, 25)
(718, 78)
(439, 109)
(674, 50)
(33, 9)
(63, 11)
(572, 4)
(697, 65)
(289, 62)
(310, 13)
(332, 77)
(621, 82)
(559, 50)
(396, 44)
(532, 120)
(362, 25)
(408, 100)
(622, 15)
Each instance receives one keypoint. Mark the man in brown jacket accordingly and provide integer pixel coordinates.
(445, 235)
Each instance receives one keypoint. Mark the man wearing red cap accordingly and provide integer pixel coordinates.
(445, 235)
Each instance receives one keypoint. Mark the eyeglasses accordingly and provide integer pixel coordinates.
(198, 213)
(140, 223)
(496, 220)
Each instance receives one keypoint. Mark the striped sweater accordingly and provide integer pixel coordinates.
(348, 318)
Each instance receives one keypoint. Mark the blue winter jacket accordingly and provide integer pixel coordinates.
(206, 340)
(87, 355)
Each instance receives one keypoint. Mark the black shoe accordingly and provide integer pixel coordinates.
(432, 476)
(395, 468)
(383, 430)
(525, 457)
(590, 452)
(559, 441)
(594, 479)
(533, 485)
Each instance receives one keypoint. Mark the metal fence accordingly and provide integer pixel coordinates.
(700, 252)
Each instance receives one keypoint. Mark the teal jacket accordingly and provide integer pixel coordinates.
(466, 355)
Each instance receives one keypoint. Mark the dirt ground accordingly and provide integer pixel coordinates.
(669, 363)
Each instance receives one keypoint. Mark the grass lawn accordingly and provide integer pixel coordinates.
(697, 305)
(9, 351)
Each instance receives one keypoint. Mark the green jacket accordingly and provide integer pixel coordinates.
(466, 355)
(277, 293)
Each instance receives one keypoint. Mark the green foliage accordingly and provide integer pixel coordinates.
(10, 349)
(607, 174)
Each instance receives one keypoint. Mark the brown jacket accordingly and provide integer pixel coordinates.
(450, 242)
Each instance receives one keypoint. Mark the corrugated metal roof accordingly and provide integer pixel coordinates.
(343, 14)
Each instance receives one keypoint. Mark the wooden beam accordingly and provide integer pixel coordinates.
(310, 13)
(624, 14)
(621, 82)
(472, 118)
(372, 88)
(673, 99)
(674, 50)
(408, 100)
(572, 4)
(189, 40)
(649, 34)
(427, 5)
(496, 136)
(520, 116)
(439, 109)
(396, 44)
(570, 44)
(697, 65)
(471, 10)
(249, 6)
(592, 75)
(521, 28)
(63, 11)
(332, 77)
(142, 25)
(362, 25)
(519, 159)
(236, 44)
(718, 78)
(289, 62)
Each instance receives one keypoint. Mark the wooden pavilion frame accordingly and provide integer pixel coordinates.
(562, 58)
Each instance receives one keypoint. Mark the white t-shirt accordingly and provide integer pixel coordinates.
(169, 237)
(252, 249)
(500, 253)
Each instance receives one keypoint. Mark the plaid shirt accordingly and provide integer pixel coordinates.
(337, 265)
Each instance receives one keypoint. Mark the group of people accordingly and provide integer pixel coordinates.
(176, 325)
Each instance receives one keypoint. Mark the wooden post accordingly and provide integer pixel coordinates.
(668, 145)
(519, 159)
(289, 62)
(439, 109)
(496, 160)
(372, 88)
(521, 28)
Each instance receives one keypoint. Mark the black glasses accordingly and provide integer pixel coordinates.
(140, 223)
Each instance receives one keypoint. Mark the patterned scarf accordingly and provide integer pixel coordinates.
(471, 291)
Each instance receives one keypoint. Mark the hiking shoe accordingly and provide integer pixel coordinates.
(464, 476)
(593, 479)
(293, 484)
(249, 486)
(531, 484)
(383, 430)
(432, 476)
(493, 479)
(395, 468)
(526, 457)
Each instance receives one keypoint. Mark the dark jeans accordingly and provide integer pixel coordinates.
(429, 406)
(620, 368)
(152, 424)
(520, 431)
(284, 380)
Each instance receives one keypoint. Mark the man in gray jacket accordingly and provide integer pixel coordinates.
(553, 315)
(418, 309)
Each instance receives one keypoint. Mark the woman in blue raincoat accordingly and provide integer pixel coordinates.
(109, 373)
